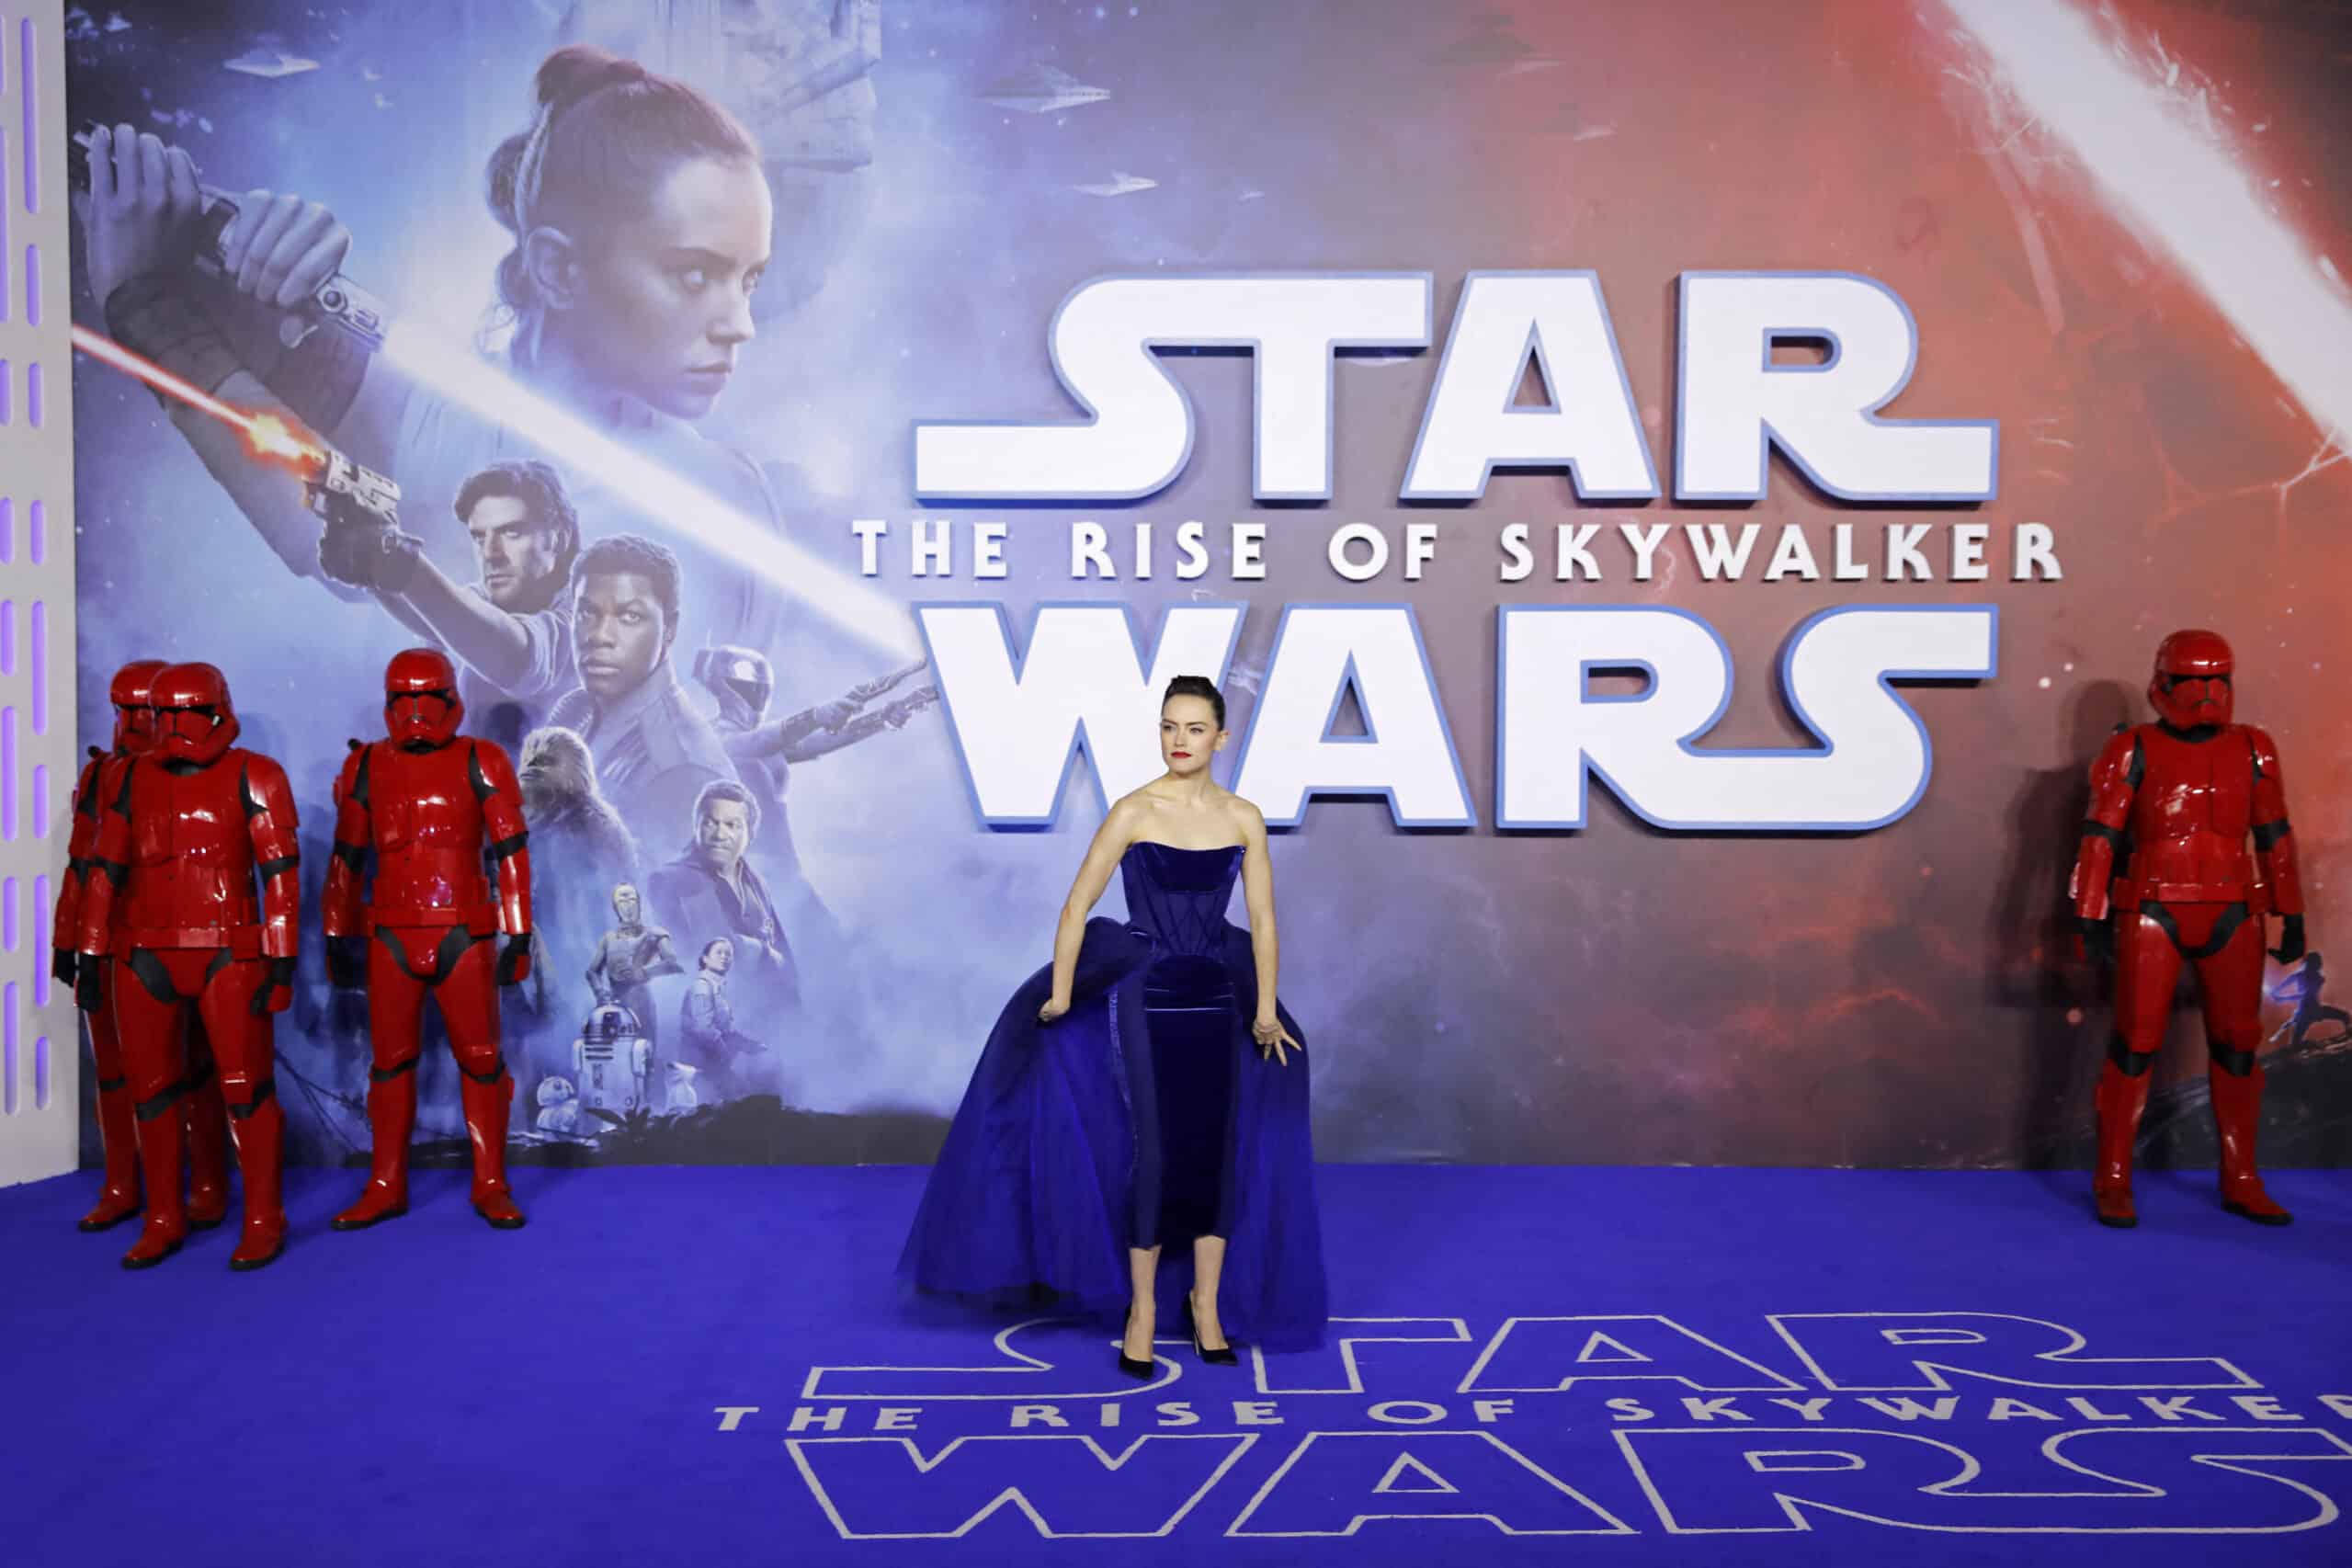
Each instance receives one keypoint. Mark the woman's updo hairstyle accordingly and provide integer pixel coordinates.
(605, 131)
(1196, 686)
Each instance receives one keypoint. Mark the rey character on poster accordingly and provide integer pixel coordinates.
(640, 218)
(1145, 1091)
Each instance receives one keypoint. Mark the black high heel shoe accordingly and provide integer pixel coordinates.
(1224, 1356)
(1138, 1371)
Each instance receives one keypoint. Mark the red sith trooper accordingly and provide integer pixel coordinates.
(207, 1130)
(2164, 855)
(169, 924)
(431, 806)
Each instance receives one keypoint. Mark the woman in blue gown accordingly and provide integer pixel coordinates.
(1145, 1093)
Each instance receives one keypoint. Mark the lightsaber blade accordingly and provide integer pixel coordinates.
(268, 434)
(2177, 187)
(851, 604)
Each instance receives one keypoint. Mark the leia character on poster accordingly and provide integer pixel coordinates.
(1145, 1091)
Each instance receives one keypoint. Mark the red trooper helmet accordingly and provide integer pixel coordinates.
(421, 706)
(132, 694)
(193, 720)
(2191, 686)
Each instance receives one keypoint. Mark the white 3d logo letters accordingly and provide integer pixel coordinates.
(1736, 399)
(1554, 732)
(1019, 711)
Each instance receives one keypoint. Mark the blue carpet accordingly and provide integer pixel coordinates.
(433, 1392)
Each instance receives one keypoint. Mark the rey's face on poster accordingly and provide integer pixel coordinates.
(618, 633)
(724, 832)
(516, 552)
(664, 300)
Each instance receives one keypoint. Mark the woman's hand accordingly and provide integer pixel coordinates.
(140, 215)
(279, 248)
(1054, 1008)
(1271, 1038)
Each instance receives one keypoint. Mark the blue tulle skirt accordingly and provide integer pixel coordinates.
(1145, 1116)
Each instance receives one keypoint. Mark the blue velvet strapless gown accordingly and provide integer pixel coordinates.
(1145, 1116)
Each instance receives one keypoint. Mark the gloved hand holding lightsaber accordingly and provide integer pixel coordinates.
(206, 284)
(333, 300)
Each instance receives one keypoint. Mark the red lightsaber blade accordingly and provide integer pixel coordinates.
(271, 438)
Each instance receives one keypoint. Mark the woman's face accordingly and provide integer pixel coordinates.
(1188, 735)
(664, 300)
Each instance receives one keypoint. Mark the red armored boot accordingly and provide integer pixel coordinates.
(487, 1106)
(118, 1123)
(392, 1118)
(2237, 1112)
(2122, 1097)
(118, 1137)
(260, 1134)
(163, 1143)
(208, 1137)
